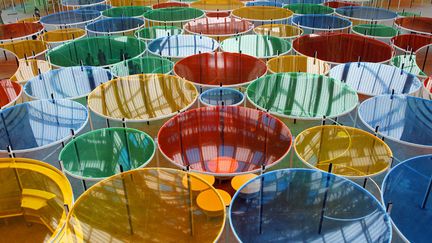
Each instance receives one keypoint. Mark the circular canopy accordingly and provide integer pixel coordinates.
(415, 24)
(221, 96)
(41, 123)
(19, 31)
(114, 25)
(134, 2)
(411, 42)
(404, 119)
(321, 22)
(126, 11)
(405, 187)
(172, 15)
(352, 152)
(375, 79)
(62, 35)
(29, 69)
(179, 46)
(295, 63)
(341, 48)
(216, 26)
(309, 8)
(220, 69)
(74, 17)
(146, 204)
(408, 64)
(9, 92)
(155, 32)
(279, 30)
(26, 49)
(105, 152)
(142, 65)
(99, 51)
(34, 195)
(142, 97)
(264, 3)
(423, 58)
(169, 5)
(81, 3)
(338, 4)
(262, 13)
(376, 30)
(366, 13)
(302, 96)
(260, 46)
(217, 5)
(66, 83)
(8, 62)
(224, 140)
(98, 7)
(299, 205)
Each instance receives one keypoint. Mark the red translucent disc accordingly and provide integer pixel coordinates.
(416, 24)
(9, 91)
(408, 42)
(219, 26)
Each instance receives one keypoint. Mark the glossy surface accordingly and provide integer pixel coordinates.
(126, 11)
(175, 14)
(34, 124)
(105, 152)
(142, 65)
(115, 25)
(26, 49)
(411, 42)
(216, 5)
(221, 96)
(375, 79)
(29, 69)
(279, 30)
(9, 63)
(70, 17)
(342, 48)
(227, 26)
(259, 46)
(423, 58)
(351, 152)
(220, 69)
(376, 30)
(145, 204)
(366, 13)
(302, 95)
(405, 119)
(9, 92)
(420, 25)
(66, 83)
(158, 96)
(408, 64)
(17, 31)
(264, 13)
(62, 35)
(155, 32)
(308, 8)
(179, 46)
(290, 205)
(224, 140)
(295, 63)
(321, 22)
(405, 187)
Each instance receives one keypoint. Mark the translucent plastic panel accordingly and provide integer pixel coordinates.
(264, 13)
(350, 151)
(135, 2)
(98, 7)
(170, 5)
(302, 95)
(66, 83)
(105, 152)
(8, 62)
(29, 69)
(321, 22)
(411, 42)
(126, 11)
(70, 17)
(420, 25)
(155, 32)
(264, 3)
(41, 123)
(145, 205)
(401, 118)
(279, 30)
(260, 46)
(180, 46)
(176, 14)
(375, 79)
(424, 59)
(79, 3)
(117, 25)
(221, 96)
(17, 31)
(220, 69)
(408, 64)
(376, 30)
(406, 188)
(295, 63)
(224, 140)
(26, 49)
(298, 205)
(62, 35)
(338, 4)
(33, 196)
(142, 65)
(97, 51)
(342, 48)
(366, 13)
(227, 26)
(9, 92)
(142, 97)
(217, 5)
(308, 8)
